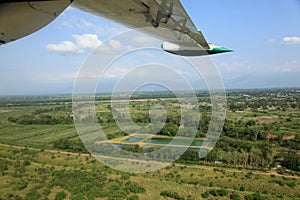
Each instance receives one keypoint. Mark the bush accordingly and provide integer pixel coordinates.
(77, 197)
(90, 182)
(205, 194)
(125, 176)
(134, 188)
(60, 195)
(117, 194)
(170, 194)
(134, 197)
(242, 188)
(3, 166)
(255, 196)
(221, 192)
(20, 185)
(46, 192)
(72, 145)
(26, 163)
(33, 194)
(12, 196)
(235, 196)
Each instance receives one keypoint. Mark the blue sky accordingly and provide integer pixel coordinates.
(264, 34)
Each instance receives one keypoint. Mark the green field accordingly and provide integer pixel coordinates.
(257, 156)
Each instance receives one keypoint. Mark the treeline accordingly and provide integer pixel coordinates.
(250, 130)
(66, 108)
(245, 155)
(241, 104)
(32, 101)
(43, 119)
(245, 129)
(228, 152)
(74, 145)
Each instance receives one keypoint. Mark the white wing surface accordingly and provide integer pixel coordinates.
(19, 18)
(167, 14)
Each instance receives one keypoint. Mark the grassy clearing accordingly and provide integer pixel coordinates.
(25, 170)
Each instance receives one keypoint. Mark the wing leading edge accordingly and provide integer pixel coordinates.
(19, 18)
(185, 39)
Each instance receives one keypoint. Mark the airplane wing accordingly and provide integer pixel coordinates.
(168, 14)
(19, 18)
(184, 39)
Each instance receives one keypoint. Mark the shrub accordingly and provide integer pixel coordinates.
(235, 196)
(170, 194)
(134, 197)
(12, 196)
(134, 188)
(242, 188)
(33, 194)
(3, 166)
(77, 197)
(221, 192)
(20, 185)
(26, 163)
(117, 194)
(46, 192)
(255, 196)
(60, 195)
(125, 176)
(205, 194)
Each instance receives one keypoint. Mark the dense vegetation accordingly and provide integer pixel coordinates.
(261, 135)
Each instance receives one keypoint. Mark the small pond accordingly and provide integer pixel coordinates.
(134, 139)
(177, 141)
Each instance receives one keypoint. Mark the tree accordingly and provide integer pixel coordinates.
(212, 156)
(251, 123)
(291, 161)
(266, 154)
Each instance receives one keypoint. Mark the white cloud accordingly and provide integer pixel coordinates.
(115, 44)
(87, 41)
(293, 40)
(113, 47)
(64, 47)
(83, 42)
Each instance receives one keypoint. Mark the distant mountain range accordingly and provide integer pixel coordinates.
(274, 80)
(251, 81)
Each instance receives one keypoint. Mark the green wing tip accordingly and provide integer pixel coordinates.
(217, 50)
